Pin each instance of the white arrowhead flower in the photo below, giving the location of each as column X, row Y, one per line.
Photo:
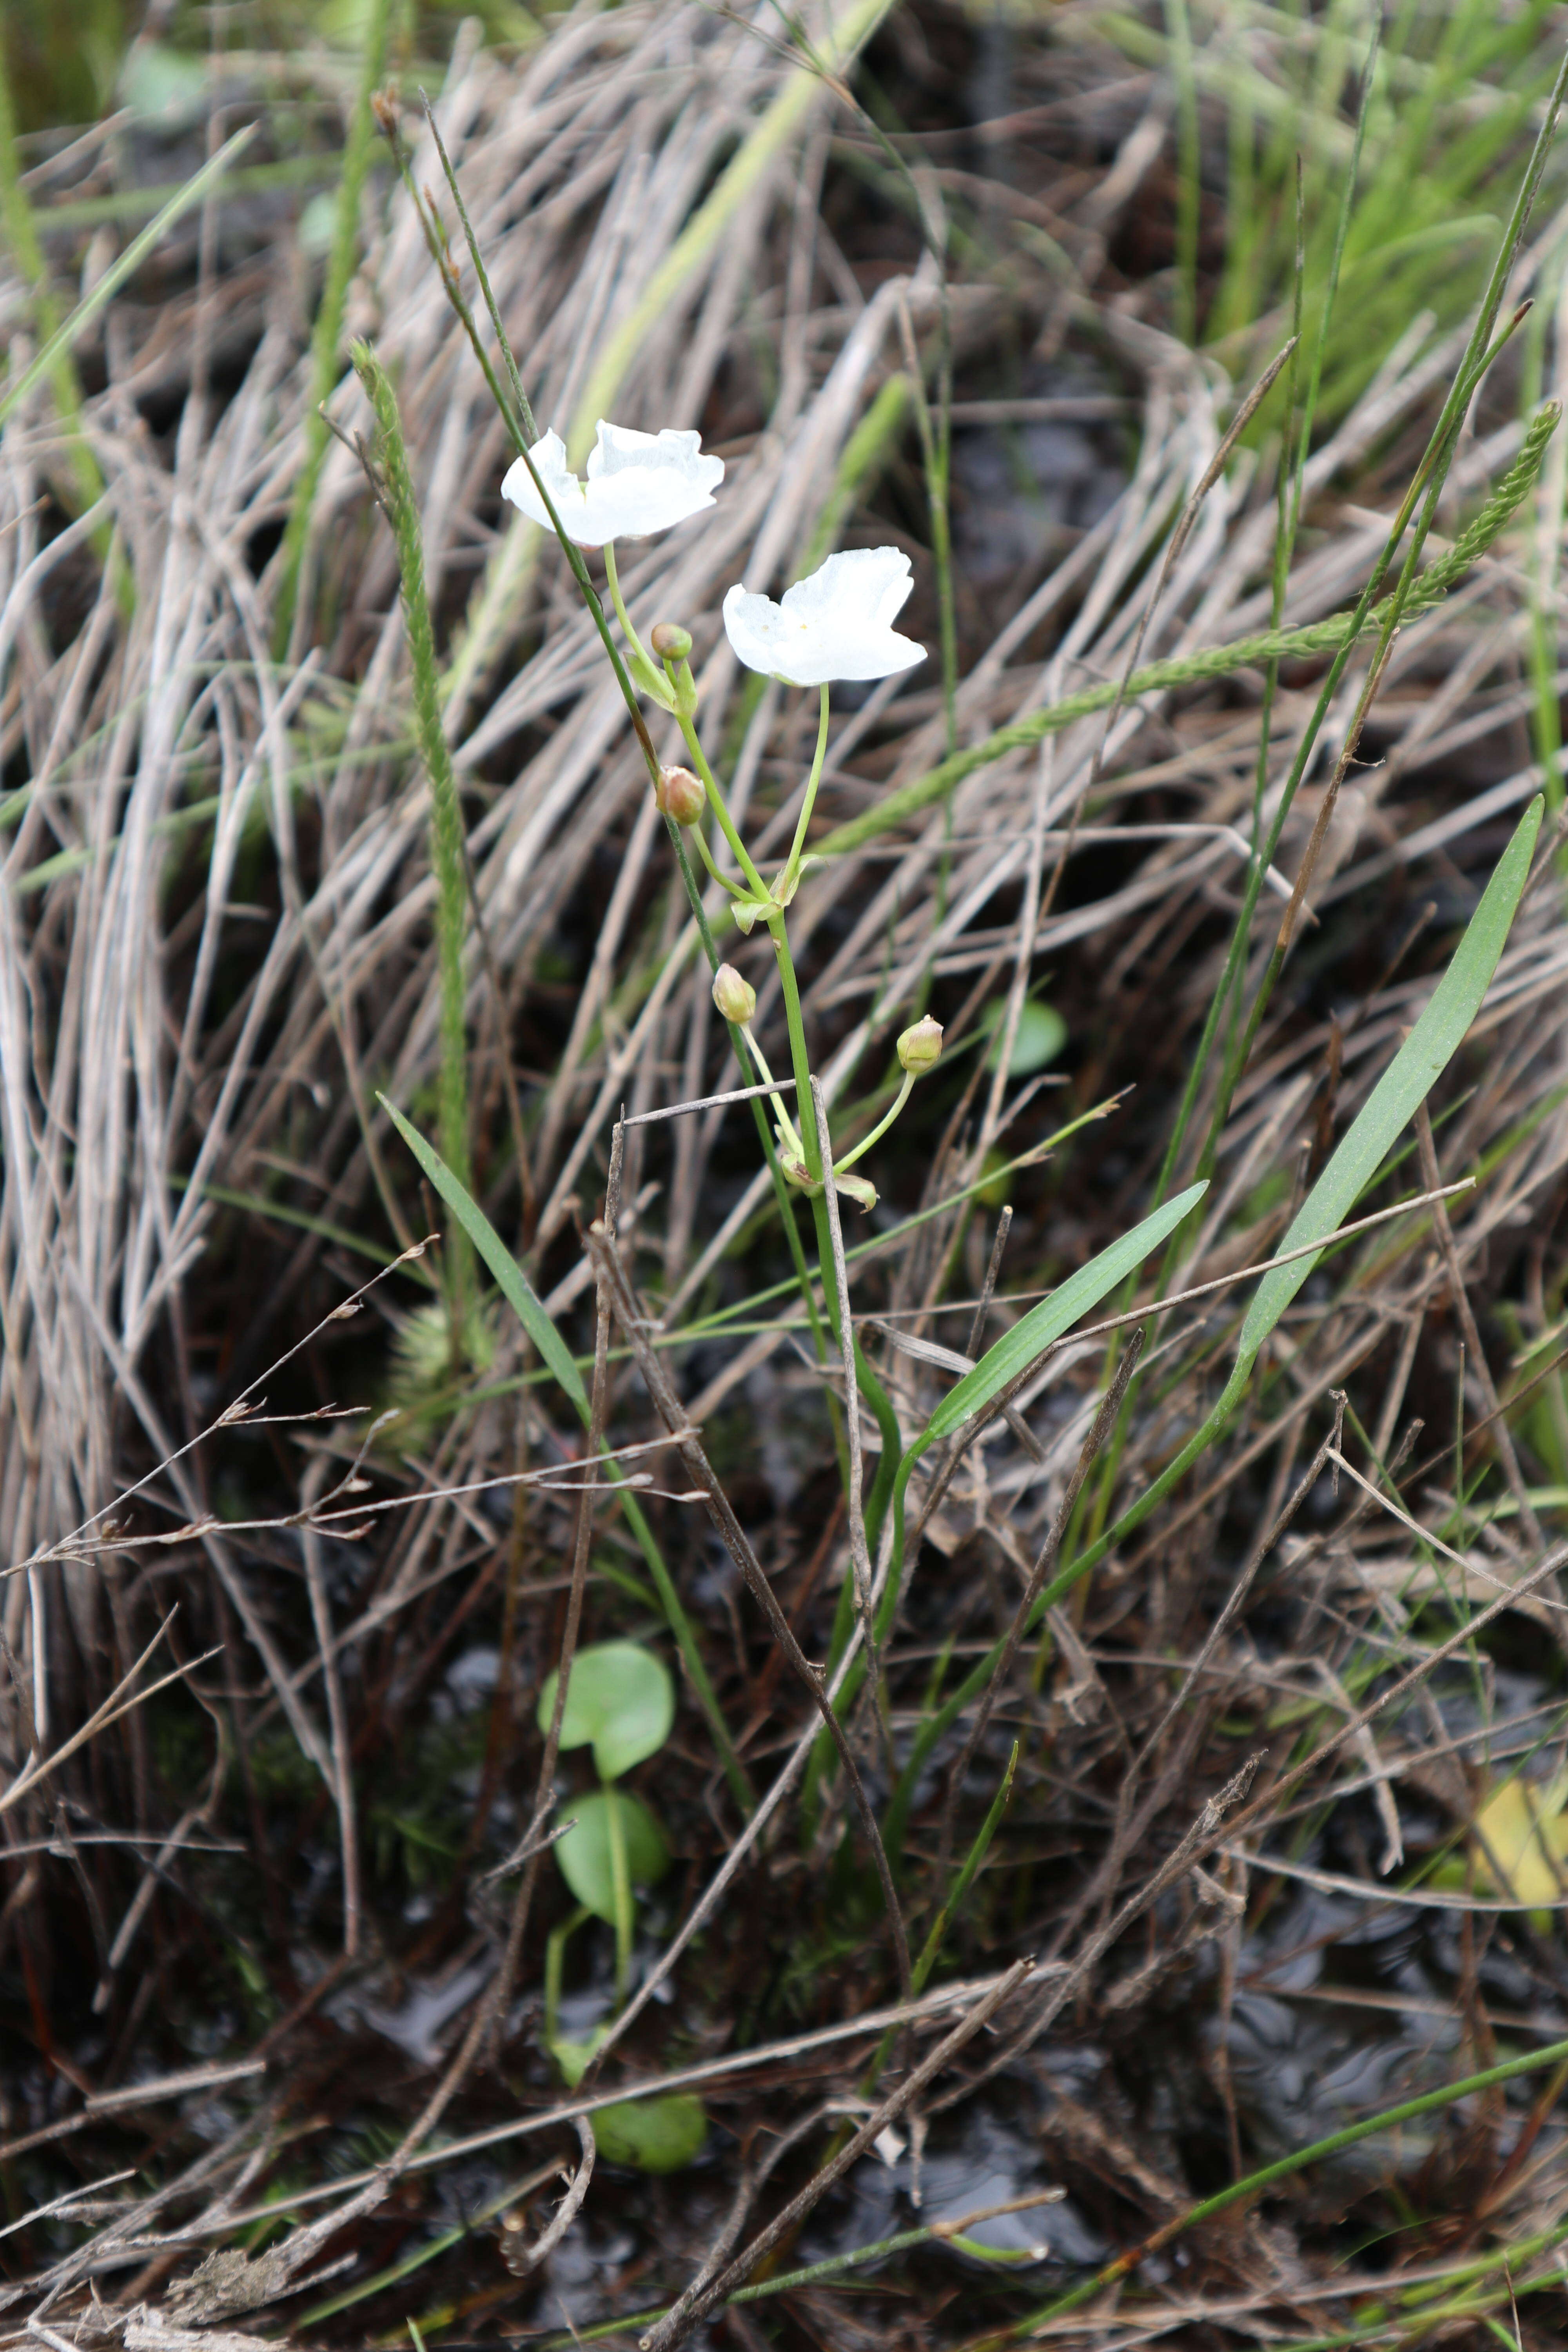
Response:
column 838, row 624
column 637, row 483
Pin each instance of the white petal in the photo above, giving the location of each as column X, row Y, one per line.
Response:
column 862, row 584
column 637, row 483
column 755, row 626
column 565, row 490
column 834, row 624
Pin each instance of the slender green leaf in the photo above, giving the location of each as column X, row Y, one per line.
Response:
column 951, row 1904
column 124, row 267
column 1016, row 1349
column 400, row 505
column 1404, row 1086
column 526, row 1304
column 513, row 1284
column 327, row 334
column 1430, row 2103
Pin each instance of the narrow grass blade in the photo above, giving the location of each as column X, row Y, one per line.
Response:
column 707, row 225
column 952, row 1904
column 327, row 333
column 526, row 1304
column 1404, row 1086
column 448, row 847
column 510, row 1279
column 1012, row 1355
column 22, row 235
column 1016, row 1349
column 1431, row 1046
column 70, row 333
column 1430, row 2103
column 1210, row 662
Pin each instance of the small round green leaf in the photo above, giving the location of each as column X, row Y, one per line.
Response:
column 654, row 2135
column 621, row 1698
column 583, row 1854
column 574, row 2058
column 1041, row 1035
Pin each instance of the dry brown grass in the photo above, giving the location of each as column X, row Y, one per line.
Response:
column 216, row 950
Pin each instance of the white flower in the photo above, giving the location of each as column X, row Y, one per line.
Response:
column 838, row 624
column 637, row 483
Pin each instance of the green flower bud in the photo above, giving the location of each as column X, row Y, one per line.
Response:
column 670, row 642
column 735, row 998
column 680, row 795
column 920, row 1048
column 856, row 1188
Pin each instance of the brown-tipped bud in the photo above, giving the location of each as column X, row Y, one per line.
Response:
column 670, row 642
column 920, row 1048
column 735, row 998
column 680, row 795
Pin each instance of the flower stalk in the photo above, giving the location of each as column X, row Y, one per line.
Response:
column 834, row 624
column 792, row 864
column 642, row 669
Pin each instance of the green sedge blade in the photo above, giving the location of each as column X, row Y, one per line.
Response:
column 521, row 1295
column 511, row 1279
column 1404, row 1086
column 124, row 265
column 1017, row 1348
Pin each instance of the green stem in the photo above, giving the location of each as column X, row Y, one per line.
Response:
column 879, row 1130
column 791, row 1141
column 866, row 1380
column 555, row 1955
column 792, row 864
column 515, row 429
column 782, row 1192
column 722, row 810
column 646, row 673
column 614, row 578
column 708, row 860
column 621, row 1885
column 476, row 257
column 811, row 1148
column 951, row 1904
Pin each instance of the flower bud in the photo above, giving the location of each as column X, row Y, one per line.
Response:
column 670, row 642
column 920, row 1048
column 680, row 795
column 735, row 998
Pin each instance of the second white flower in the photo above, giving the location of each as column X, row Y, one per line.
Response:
column 837, row 624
